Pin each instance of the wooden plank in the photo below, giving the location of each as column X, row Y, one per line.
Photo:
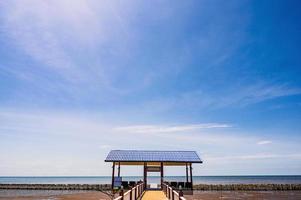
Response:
column 154, row 195
column 153, row 168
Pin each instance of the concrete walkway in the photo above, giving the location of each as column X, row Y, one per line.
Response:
column 154, row 195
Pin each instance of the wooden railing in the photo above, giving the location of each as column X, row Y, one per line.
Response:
column 132, row 194
column 171, row 193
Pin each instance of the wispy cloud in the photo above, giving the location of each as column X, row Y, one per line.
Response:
column 40, row 38
column 264, row 142
column 106, row 146
column 262, row 92
column 233, row 97
column 86, row 76
column 255, row 93
column 57, row 135
column 169, row 129
column 53, row 34
column 257, row 157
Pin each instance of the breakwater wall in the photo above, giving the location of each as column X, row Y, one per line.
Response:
column 206, row 187
column 56, row 186
column 248, row 187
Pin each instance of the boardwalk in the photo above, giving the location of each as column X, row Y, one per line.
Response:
column 151, row 195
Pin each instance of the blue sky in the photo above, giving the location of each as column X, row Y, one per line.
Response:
column 78, row 78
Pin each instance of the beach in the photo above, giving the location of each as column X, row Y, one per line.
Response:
column 198, row 195
column 246, row 195
column 217, row 187
column 62, row 195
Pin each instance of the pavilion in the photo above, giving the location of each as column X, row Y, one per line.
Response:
column 153, row 161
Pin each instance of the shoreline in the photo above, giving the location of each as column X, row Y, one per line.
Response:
column 197, row 187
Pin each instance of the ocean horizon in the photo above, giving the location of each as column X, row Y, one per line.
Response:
column 242, row 179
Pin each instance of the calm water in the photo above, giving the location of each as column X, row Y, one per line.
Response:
column 155, row 179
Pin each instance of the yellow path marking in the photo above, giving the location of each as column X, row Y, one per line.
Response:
column 154, row 195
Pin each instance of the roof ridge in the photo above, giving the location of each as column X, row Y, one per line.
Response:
column 153, row 150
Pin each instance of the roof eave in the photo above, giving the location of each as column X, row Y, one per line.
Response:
column 154, row 161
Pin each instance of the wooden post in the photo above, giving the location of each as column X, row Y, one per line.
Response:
column 172, row 195
column 121, row 194
column 186, row 172
column 118, row 169
column 145, row 175
column 180, row 193
column 131, row 194
column 162, row 175
column 136, row 192
column 191, row 176
column 139, row 188
column 113, row 174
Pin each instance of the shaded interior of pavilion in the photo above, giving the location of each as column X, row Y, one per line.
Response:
column 153, row 168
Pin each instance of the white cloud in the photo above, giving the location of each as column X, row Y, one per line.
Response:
column 69, row 40
column 264, row 142
column 168, row 129
column 241, row 96
column 264, row 91
column 260, row 156
column 34, row 26
column 105, row 146
column 55, row 136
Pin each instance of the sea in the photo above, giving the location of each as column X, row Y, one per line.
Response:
column 293, row 179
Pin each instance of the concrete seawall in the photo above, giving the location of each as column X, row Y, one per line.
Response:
column 56, row 186
column 248, row 187
column 97, row 187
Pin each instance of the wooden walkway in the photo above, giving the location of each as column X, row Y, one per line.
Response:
column 154, row 195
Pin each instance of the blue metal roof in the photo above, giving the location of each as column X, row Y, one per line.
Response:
column 152, row 156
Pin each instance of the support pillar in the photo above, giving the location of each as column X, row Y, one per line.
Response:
column 191, row 176
column 187, row 172
column 145, row 175
column 113, row 174
column 118, row 169
column 162, row 175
